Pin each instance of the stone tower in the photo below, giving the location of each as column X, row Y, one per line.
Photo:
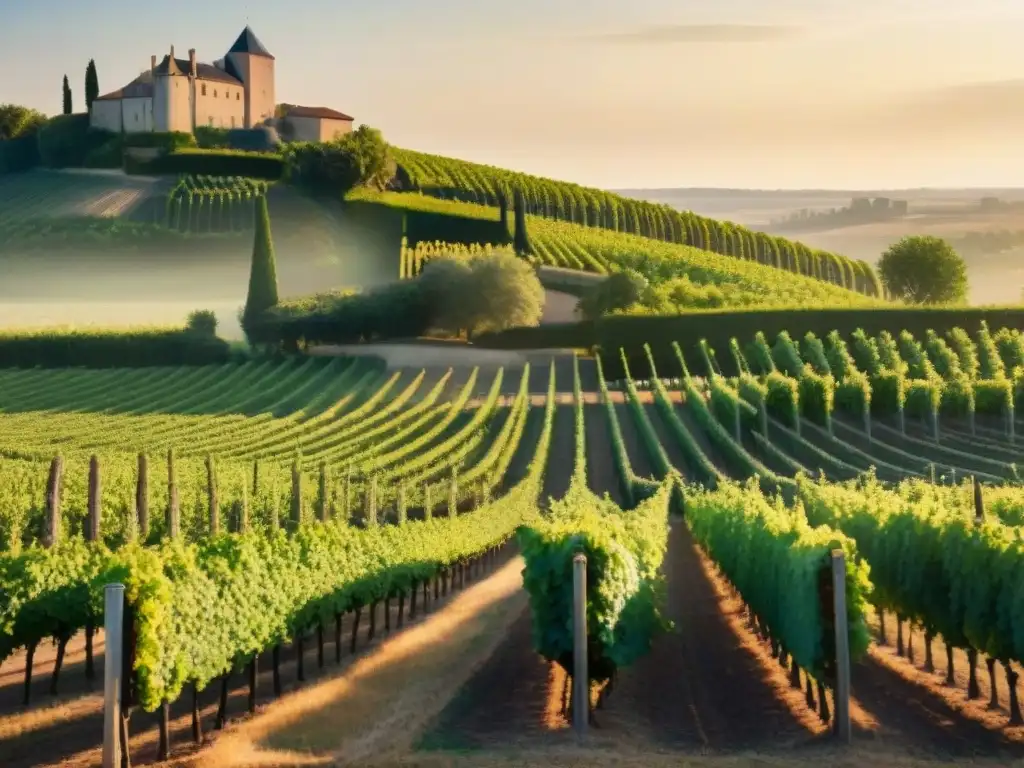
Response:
column 251, row 63
column 172, row 103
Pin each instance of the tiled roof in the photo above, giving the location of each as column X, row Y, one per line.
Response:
column 203, row 71
column 140, row 87
column 319, row 112
column 247, row 42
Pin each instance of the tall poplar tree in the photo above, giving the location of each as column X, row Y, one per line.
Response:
column 263, row 270
column 92, row 85
column 67, row 96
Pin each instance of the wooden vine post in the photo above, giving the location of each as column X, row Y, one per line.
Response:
column 296, row 501
column 92, row 535
column 173, row 507
column 53, row 488
column 142, row 497
column 243, row 511
column 322, row 500
column 837, row 645
column 211, row 496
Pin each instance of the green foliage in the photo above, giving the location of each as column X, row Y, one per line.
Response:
column 360, row 158
column 203, row 321
column 109, row 348
column 840, row 362
column 92, row 85
column 262, row 293
column 813, row 353
column 211, row 162
column 773, row 558
column 17, row 121
column 619, row 291
column 632, row 332
column 990, row 364
column 942, row 357
column 782, row 398
column 865, row 353
column 786, row 355
column 966, row 351
column 1010, row 343
column 66, row 140
column 817, row 395
column 451, row 179
column 109, row 154
column 913, row 354
column 624, row 552
column 853, row 393
column 520, row 238
column 430, row 227
column 66, row 97
column 924, row 270
column 166, row 141
column 759, row 355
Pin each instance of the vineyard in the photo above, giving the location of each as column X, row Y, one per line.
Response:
column 482, row 185
column 257, row 511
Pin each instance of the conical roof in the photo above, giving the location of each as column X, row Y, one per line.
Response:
column 247, row 42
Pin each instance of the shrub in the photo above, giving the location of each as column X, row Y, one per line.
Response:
column 359, row 158
column 66, row 140
column 202, row 321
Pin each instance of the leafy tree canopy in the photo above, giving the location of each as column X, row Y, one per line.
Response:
column 620, row 291
column 486, row 293
column 923, row 269
column 359, row 158
column 17, row 121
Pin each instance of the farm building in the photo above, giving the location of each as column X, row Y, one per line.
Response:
column 236, row 91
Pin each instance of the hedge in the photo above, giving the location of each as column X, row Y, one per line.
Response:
column 110, row 348
column 66, row 140
column 20, row 154
column 169, row 141
column 211, row 162
column 430, row 227
column 720, row 326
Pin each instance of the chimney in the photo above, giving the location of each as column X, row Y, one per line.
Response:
column 192, row 62
column 152, row 64
column 172, row 51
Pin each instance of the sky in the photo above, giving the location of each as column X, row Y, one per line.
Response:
column 628, row 94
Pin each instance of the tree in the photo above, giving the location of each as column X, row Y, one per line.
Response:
column 504, row 292
column 17, row 121
column 441, row 282
column 92, row 85
column 359, row 158
column 67, row 96
column 263, row 270
column 619, row 291
column 520, row 237
column 924, row 269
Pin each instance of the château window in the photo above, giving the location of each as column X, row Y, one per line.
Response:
column 238, row 96
column 214, row 93
column 204, row 89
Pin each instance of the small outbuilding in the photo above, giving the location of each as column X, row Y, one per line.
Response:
column 313, row 123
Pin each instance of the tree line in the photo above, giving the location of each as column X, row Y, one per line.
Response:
column 92, row 89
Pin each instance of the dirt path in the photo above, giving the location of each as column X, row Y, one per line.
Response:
column 699, row 687
column 601, row 474
column 384, row 701
column 638, row 457
column 559, row 468
column 526, row 449
column 675, row 454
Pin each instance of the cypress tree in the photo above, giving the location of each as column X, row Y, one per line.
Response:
column 263, row 270
column 92, row 85
column 67, row 96
column 521, row 240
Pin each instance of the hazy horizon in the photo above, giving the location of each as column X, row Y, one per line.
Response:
column 820, row 95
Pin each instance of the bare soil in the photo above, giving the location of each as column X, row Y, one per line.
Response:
column 601, row 473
